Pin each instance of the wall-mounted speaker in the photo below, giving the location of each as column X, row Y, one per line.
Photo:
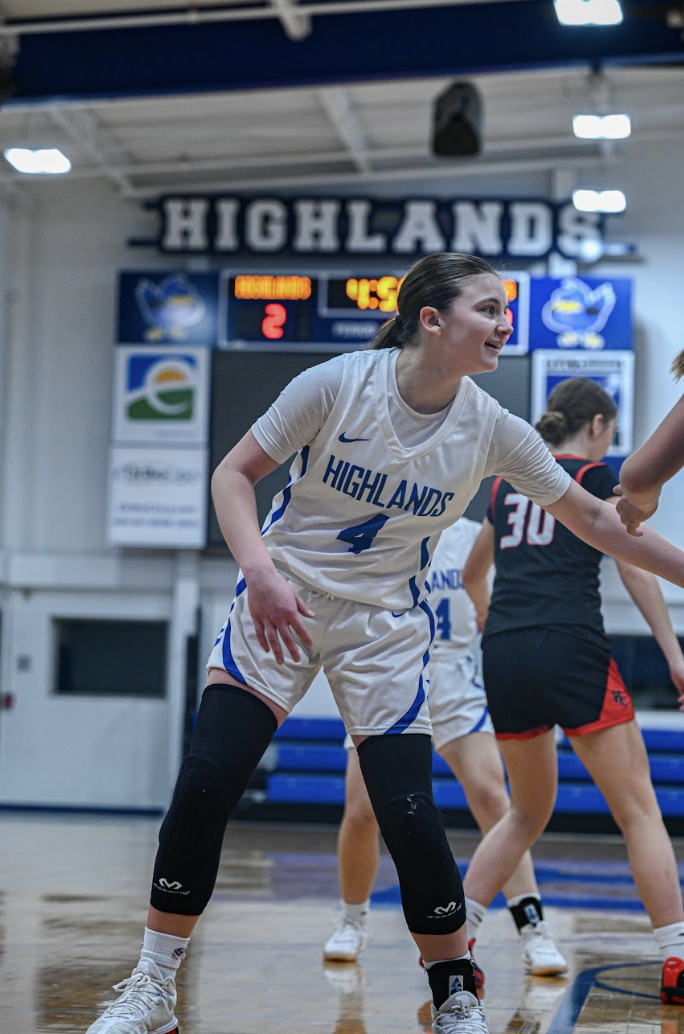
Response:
column 457, row 121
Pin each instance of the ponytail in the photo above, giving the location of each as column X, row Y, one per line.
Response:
column 677, row 367
column 389, row 335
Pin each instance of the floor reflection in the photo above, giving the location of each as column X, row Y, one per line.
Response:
column 72, row 907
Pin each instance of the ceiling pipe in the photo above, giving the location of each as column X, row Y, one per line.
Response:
column 193, row 16
column 384, row 175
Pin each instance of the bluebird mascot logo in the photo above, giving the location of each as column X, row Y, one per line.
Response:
column 577, row 312
column 170, row 308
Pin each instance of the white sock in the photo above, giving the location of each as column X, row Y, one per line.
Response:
column 512, row 902
column 164, row 950
column 435, row 962
column 475, row 913
column 356, row 913
column 670, row 940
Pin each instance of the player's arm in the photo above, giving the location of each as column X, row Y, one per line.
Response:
column 644, row 473
column 646, row 593
column 476, row 570
column 274, row 605
column 595, row 521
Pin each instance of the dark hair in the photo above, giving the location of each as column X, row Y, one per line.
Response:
column 677, row 367
column 435, row 280
column 572, row 404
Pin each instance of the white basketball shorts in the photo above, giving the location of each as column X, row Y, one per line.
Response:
column 374, row 660
column 458, row 703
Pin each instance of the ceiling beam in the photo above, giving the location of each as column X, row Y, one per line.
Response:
column 347, row 125
column 80, row 127
column 197, row 15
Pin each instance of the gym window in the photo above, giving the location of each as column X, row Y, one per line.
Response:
column 110, row 658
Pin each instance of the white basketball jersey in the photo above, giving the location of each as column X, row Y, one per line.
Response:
column 455, row 615
column 361, row 513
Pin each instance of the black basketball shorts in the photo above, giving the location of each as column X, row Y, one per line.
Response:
column 537, row 678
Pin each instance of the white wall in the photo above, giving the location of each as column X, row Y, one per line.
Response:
column 59, row 257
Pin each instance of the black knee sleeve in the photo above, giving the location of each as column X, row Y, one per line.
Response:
column 233, row 730
column 398, row 774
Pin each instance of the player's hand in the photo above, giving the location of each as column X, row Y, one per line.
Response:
column 677, row 676
column 277, row 611
column 630, row 515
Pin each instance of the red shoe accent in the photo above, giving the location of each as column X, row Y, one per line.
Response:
column 479, row 974
column 420, row 962
column 672, row 988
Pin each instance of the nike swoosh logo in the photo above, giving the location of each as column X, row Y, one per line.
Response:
column 347, row 441
column 399, row 615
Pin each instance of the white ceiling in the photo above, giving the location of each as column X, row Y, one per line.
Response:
column 356, row 131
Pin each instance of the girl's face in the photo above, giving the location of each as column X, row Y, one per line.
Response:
column 474, row 328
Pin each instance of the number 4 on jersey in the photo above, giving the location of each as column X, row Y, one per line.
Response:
column 360, row 536
column 443, row 619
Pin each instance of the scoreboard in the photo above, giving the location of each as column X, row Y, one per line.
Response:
column 300, row 313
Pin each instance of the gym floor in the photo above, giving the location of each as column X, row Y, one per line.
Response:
column 73, row 893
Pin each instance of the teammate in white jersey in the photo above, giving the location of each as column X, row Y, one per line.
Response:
column 462, row 733
column 391, row 445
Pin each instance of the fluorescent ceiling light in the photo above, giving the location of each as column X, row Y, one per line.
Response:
column 602, row 127
column 588, row 12
column 599, row 200
column 47, row 160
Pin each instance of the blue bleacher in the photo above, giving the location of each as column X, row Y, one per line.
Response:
column 306, row 764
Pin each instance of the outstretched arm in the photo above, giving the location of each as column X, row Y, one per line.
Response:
column 644, row 473
column 476, row 570
column 274, row 605
column 596, row 522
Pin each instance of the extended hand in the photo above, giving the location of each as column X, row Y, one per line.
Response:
column 677, row 676
column 277, row 612
column 630, row 515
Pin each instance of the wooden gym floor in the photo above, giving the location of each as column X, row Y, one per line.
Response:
column 73, row 893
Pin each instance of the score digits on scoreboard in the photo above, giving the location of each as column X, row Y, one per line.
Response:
column 298, row 313
column 380, row 293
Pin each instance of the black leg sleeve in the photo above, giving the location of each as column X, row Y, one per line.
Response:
column 398, row 774
column 233, row 730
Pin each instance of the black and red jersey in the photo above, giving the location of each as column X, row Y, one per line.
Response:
column 545, row 575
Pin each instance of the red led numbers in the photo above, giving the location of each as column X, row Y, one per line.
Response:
column 274, row 321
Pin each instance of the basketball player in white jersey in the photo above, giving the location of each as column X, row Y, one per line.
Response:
column 390, row 446
column 463, row 735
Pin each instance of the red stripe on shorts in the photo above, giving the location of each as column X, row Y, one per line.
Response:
column 529, row 734
column 617, row 705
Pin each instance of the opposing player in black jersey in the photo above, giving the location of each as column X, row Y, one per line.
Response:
column 547, row 662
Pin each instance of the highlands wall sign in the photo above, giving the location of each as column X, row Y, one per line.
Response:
column 330, row 227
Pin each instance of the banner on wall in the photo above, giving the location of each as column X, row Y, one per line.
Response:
column 613, row 371
column 160, row 395
column 167, row 308
column 157, row 497
column 581, row 312
column 158, row 485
